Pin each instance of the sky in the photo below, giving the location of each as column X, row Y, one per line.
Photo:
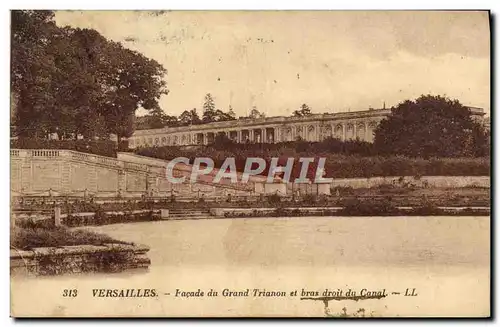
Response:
column 334, row 61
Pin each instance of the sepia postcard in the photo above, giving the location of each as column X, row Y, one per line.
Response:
column 330, row 164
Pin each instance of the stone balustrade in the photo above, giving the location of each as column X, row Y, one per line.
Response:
column 77, row 156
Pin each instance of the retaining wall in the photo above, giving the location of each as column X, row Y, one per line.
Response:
column 79, row 259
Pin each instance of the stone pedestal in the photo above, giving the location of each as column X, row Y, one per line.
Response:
column 164, row 213
column 259, row 187
column 323, row 188
column 217, row 212
column 275, row 188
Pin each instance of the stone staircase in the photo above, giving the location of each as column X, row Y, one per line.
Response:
column 183, row 214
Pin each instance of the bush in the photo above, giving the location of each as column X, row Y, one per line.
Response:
column 369, row 208
column 28, row 238
column 274, row 199
column 309, row 199
column 341, row 190
column 427, row 209
column 342, row 160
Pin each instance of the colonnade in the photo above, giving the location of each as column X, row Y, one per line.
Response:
column 310, row 131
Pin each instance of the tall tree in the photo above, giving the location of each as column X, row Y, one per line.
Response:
column 209, row 112
column 230, row 112
column 303, row 111
column 195, row 118
column 31, row 71
column 135, row 81
column 64, row 78
column 223, row 116
column 157, row 118
column 254, row 113
column 185, row 118
column 189, row 117
column 429, row 126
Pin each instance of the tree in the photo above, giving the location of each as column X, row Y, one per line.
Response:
column 189, row 117
column 185, row 118
column 429, row 126
column 63, row 78
column 31, row 71
column 230, row 113
column 195, row 118
column 303, row 111
column 209, row 113
column 171, row 121
column 479, row 141
column 254, row 113
column 132, row 81
column 223, row 116
column 158, row 119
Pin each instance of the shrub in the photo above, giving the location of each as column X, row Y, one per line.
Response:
column 28, row 238
column 369, row 208
column 274, row 199
column 343, row 160
column 309, row 199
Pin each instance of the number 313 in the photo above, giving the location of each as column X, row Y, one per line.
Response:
column 70, row 293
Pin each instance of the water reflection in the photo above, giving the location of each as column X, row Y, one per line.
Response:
column 443, row 257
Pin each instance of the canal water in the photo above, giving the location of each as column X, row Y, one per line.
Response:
column 444, row 261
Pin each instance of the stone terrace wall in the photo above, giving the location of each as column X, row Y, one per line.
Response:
column 65, row 172
column 72, row 173
column 79, row 258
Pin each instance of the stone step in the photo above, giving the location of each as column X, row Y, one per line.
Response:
column 188, row 214
column 189, row 217
column 189, row 211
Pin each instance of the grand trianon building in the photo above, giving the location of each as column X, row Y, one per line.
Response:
column 316, row 127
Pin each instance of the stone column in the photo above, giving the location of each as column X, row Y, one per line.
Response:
column 367, row 136
column 122, row 181
column 369, row 131
column 57, row 216
column 354, row 130
column 250, row 135
column 152, row 185
column 65, row 173
column 263, row 136
column 276, row 138
column 239, row 136
column 344, row 131
column 205, row 138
